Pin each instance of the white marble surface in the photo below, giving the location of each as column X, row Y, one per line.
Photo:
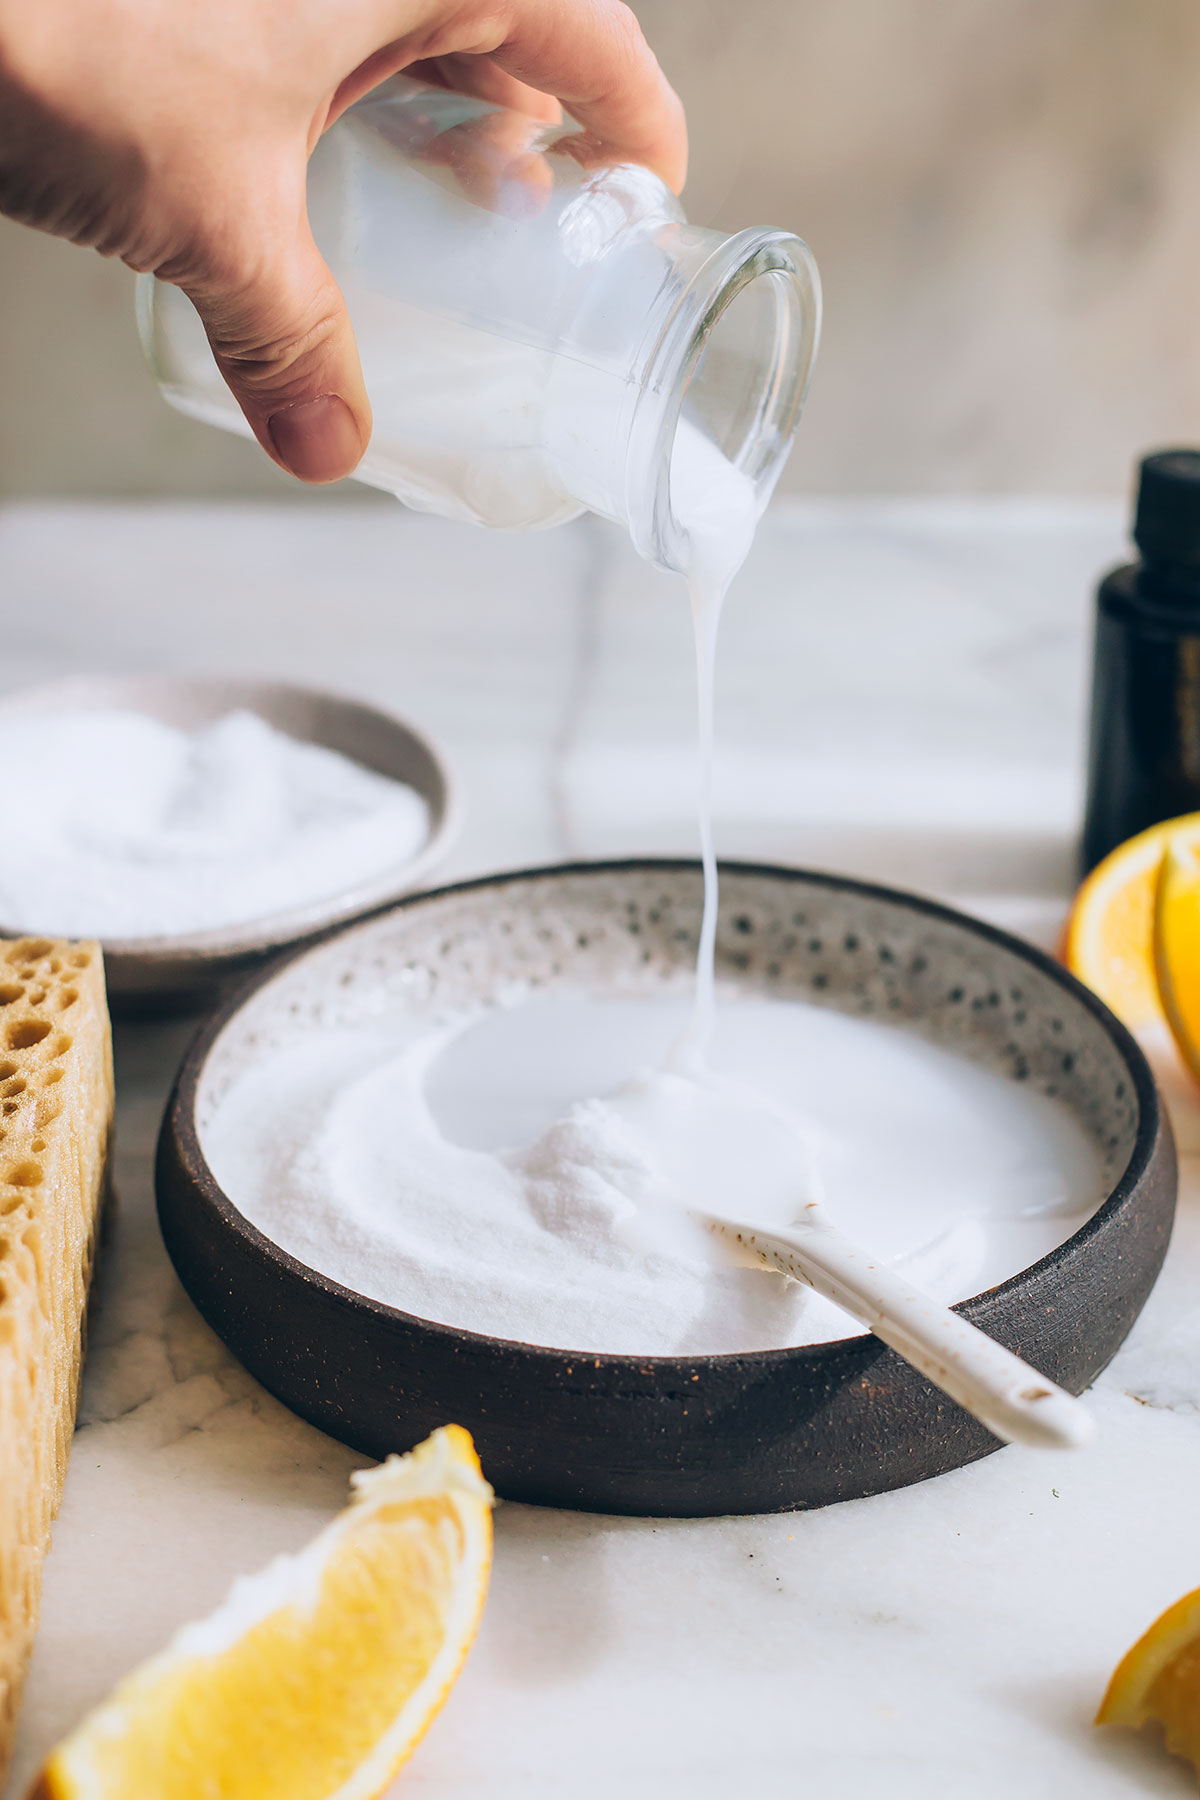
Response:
column 901, row 695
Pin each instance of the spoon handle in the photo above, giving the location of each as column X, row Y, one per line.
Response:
column 1008, row 1396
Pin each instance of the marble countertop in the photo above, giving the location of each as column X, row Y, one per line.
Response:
column 900, row 696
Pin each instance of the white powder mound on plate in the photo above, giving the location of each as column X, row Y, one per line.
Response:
column 129, row 828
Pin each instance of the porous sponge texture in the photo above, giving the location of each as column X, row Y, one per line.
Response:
column 56, row 1103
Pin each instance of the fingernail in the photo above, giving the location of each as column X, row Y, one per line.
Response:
column 318, row 440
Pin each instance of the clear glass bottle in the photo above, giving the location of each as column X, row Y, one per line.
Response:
column 533, row 332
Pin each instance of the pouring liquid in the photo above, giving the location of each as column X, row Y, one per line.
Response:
column 718, row 507
column 465, row 1170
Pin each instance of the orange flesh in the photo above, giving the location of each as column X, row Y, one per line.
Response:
column 1109, row 939
column 1174, row 1701
column 311, row 1697
column 1124, row 944
column 1177, row 952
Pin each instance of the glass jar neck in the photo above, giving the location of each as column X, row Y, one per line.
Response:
column 728, row 330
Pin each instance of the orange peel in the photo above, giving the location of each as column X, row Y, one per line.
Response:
column 1158, row 1681
column 1109, row 939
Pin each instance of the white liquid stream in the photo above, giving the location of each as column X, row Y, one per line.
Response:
column 718, row 508
column 383, row 1154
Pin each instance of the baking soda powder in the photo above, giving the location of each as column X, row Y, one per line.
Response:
column 129, row 828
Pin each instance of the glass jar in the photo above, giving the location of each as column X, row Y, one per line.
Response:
column 533, row 332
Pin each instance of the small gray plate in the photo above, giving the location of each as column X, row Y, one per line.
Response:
column 169, row 972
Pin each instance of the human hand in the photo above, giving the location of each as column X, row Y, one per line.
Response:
column 175, row 134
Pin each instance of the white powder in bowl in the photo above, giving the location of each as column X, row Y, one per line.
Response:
column 129, row 828
column 465, row 1172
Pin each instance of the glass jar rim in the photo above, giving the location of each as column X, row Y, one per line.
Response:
column 673, row 358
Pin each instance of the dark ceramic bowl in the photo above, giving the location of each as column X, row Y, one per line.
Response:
column 188, row 970
column 675, row 1435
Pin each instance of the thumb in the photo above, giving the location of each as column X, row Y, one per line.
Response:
column 282, row 339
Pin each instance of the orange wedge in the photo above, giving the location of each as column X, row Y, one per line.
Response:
column 1177, row 941
column 1110, row 934
column 1158, row 1682
column 317, row 1676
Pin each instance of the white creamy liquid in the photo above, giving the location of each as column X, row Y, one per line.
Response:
column 472, row 1177
column 718, row 508
column 129, row 828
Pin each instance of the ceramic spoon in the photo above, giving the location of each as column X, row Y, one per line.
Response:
column 1008, row 1396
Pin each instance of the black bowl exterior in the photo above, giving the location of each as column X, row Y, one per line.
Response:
column 767, row 1431
column 178, row 986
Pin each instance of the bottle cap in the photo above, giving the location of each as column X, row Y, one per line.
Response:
column 1167, row 526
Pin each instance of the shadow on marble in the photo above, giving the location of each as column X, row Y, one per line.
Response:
column 1066, row 1706
column 556, row 1624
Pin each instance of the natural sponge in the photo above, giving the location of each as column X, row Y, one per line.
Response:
column 56, row 1099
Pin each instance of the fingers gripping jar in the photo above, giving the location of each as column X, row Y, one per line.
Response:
column 534, row 332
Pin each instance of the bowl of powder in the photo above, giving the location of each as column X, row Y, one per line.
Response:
column 427, row 1170
column 196, row 826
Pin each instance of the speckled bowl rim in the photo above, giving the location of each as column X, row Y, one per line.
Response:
column 269, row 931
column 179, row 1119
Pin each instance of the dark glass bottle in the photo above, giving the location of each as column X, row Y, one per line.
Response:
column 1144, row 755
